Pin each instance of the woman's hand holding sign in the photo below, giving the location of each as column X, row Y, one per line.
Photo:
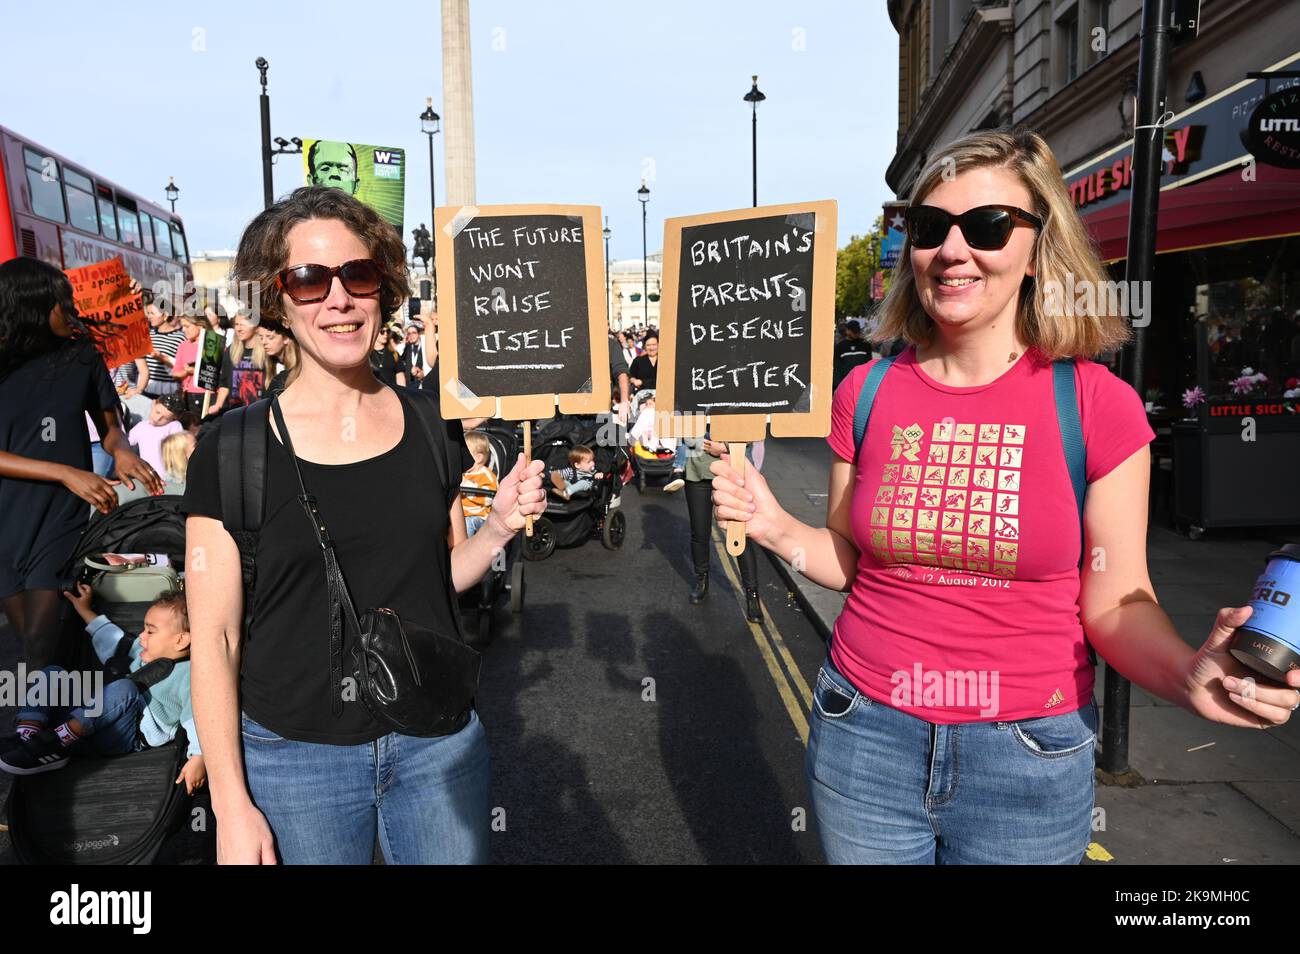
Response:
column 519, row 495
column 746, row 498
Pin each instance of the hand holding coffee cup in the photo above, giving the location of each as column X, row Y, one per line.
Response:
column 1221, row 689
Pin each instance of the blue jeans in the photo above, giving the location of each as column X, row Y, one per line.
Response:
column 113, row 732
column 679, row 456
column 889, row 788
column 472, row 525
column 102, row 460
column 577, row 486
column 426, row 798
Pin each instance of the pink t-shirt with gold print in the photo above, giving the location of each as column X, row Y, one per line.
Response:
column 965, row 605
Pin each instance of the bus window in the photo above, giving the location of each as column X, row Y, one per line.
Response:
column 43, row 183
column 82, row 213
column 146, row 230
column 163, row 236
column 106, row 221
column 129, row 226
column 178, row 245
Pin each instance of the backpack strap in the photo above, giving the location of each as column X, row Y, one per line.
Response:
column 1067, row 418
column 241, row 481
column 866, row 398
column 428, row 409
column 446, row 457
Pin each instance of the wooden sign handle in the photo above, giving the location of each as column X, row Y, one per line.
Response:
column 528, row 459
column 207, row 401
column 736, row 528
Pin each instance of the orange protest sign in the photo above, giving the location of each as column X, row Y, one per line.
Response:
column 102, row 293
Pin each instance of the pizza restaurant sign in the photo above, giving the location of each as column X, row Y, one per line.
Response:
column 1182, row 148
column 1273, row 134
column 1258, row 119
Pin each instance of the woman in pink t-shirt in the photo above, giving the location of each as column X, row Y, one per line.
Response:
column 953, row 720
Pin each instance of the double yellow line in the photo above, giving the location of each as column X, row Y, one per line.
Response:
column 790, row 683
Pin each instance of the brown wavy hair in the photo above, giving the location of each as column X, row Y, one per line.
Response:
column 264, row 247
column 1063, row 251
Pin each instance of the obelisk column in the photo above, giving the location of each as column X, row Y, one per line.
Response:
column 458, row 103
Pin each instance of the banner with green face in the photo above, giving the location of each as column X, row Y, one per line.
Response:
column 374, row 174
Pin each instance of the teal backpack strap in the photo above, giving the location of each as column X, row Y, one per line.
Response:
column 867, row 397
column 1067, row 418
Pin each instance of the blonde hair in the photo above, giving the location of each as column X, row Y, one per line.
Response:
column 176, row 450
column 237, row 346
column 1064, row 254
column 477, row 443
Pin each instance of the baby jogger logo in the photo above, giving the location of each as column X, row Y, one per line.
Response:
column 76, row 907
column 53, row 689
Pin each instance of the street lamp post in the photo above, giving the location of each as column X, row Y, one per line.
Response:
column 429, row 125
column 644, row 195
column 172, row 192
column 755, row 97
column 609, row 301
column 282, row 146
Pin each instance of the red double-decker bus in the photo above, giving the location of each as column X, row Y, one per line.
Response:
column 60, row 212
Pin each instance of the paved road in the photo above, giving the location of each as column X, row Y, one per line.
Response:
column 629, row 726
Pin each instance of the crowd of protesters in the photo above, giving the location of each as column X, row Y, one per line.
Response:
column 966, row 331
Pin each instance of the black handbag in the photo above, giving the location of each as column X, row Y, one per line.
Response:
column 413, row 680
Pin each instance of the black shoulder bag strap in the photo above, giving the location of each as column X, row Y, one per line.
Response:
column 339, row 597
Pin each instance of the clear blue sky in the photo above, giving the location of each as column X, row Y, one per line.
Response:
column 574, row 100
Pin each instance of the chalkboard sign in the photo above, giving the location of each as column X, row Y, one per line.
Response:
column 527, row 322
column 748, row 323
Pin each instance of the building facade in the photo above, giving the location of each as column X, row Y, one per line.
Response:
column 630, row 306
column 1226, row 292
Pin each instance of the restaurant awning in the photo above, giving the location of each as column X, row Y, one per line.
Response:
column 1218, row 210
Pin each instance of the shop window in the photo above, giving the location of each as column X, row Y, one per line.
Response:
column 1247, row 311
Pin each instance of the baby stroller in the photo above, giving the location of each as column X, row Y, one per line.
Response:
column 587, row 514
column 656, row 465
column 508, row 572
column 122, row 809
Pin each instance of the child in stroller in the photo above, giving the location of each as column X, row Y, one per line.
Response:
column 493, row 445
column 585, row 512
column 655, row 455
column 579, row 477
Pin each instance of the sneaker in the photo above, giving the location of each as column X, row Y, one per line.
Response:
column 41, row 753
column 674, row 485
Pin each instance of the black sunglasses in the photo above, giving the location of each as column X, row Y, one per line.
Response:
column 307, row 284
column 985, row 227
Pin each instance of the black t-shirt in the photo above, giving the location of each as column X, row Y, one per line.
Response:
column 43, row 404
column 385, row 366
column 390, row 532
column 850, row 353
column 643, row 369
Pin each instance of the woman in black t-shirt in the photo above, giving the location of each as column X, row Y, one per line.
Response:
column 384, row 360
column 316, row 784
column 51, row 376
column 644, row 372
